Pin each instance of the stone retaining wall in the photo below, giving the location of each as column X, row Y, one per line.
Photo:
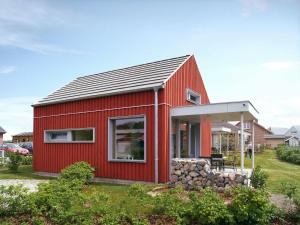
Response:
column 196, row 174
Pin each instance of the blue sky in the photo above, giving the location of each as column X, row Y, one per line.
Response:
column 245, row 49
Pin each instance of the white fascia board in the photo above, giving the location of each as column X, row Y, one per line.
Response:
column 221, row 129
column 216, row 108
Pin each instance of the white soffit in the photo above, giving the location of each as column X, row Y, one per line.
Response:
column 224, row 111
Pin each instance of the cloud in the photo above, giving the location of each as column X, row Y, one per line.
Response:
column 7, row 69
column 250, row 6
column 31, row 13
column 281, row 65
column 21, row 21
column 16, row 115
column 29, row 42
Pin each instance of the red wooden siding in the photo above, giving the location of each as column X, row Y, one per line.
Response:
column 54, row 157
column 96, row 112
column 174, row 94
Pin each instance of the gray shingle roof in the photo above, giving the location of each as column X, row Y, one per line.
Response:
column 23, row 134
column 2, row 131
column 131, row 79
column 279, row 130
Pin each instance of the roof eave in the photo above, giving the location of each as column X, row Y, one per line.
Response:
column 161, row 86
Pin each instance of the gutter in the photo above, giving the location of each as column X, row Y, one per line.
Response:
column 156, row 134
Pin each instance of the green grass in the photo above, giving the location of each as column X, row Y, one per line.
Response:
column 278, row 171
column 24, row 172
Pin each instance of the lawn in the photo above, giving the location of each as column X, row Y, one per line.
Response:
column 24, row 172
column 277, row 170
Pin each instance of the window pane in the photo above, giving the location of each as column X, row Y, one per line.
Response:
column 58, row 135
column 82, row 135
column 128, row 139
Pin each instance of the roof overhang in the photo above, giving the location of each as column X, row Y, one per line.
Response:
column 224, row 111
column 220, row 130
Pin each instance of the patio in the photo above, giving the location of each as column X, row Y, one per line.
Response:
column 186, row 127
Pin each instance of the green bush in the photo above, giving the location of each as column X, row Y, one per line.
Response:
column 251, row 207
column 138, row 190
column 14, row 201
column 27, row 160
column 209, row 209
column 15, row 160
column 289, row 154
column 61, row 202
column 81, row 171
column 171, row 204
column 258, row 178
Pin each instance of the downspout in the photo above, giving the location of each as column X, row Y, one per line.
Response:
column 156, row 134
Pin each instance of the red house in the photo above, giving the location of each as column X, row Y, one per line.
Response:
column 129, row 123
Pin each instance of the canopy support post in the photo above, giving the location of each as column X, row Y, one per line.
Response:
column 242, row 142
column 253, row 144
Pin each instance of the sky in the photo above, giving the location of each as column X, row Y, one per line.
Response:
column 245, row 49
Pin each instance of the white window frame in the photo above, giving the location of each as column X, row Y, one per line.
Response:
column 246, row 125
column 110, row 139
column 190, row 93
column 48, row 140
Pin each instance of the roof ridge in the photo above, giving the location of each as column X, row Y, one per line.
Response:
column 127, row 67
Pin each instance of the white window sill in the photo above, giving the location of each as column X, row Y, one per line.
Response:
column 127, row 161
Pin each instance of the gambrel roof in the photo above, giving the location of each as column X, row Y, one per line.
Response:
column 131, row 79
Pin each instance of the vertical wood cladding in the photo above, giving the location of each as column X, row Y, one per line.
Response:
column 96, row 113
column 54, row 157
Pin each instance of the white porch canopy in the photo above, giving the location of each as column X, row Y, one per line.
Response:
column 224, row 111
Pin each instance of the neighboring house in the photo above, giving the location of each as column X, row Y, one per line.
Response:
column 273, row 140
column 226, row 136
column 129, row 123
column 2, row 132
column 281, row 135
column 22, row 137
column 259, row 133
column 294, row 131
column 292, row 141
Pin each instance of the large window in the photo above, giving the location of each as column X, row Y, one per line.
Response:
column 127, row 139
column 193, row 97
column 82, row 135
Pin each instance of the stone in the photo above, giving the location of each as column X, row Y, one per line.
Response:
column 220, row 189
column 188, row 177
column 239, row 179
column 203, row 174
column 177, row 172
column 193, row 174
column 202, row 162
column 174, row 178
column 231, row 176
column 206, row 168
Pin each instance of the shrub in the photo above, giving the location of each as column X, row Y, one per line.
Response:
column 27, row 160
column 258, row 178
column 15, row 160
column 138, row 190
column 171, row 204
column 209, row 209
column 250, row 206
column 14, row 201
column 289, row 154
column 81, row 171
column 60, row 201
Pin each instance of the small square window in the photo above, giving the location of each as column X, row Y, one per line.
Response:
column 193, row 97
